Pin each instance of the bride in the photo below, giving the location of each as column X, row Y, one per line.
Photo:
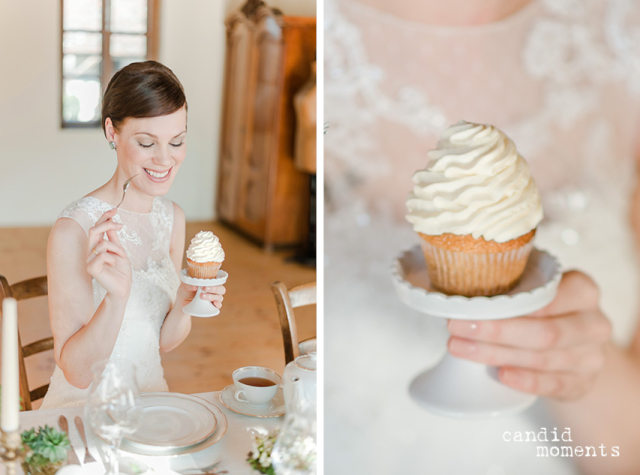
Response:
column 114, row 289
column 560, row 77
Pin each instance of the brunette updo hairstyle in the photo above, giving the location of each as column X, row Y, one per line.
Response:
column 146, row 89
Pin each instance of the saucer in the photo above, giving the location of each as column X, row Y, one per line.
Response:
column 274, row 408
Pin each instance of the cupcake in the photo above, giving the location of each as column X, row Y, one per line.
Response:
column 476, row 209
column 205, row 255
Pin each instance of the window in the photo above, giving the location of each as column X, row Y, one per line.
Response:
column 98, row 38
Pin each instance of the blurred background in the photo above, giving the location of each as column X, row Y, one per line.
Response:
column 249, row 77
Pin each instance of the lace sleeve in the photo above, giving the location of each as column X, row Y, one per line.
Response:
column 85, row 215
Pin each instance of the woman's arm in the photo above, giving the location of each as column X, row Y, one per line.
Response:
column 177, row 324
column 81, row 336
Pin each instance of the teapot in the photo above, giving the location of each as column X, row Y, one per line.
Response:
column 295, row 449
column 303, row 368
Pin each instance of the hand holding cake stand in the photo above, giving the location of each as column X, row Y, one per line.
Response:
column 457, row 387
column 199, row 307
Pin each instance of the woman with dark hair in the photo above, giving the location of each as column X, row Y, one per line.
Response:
column 114, row 289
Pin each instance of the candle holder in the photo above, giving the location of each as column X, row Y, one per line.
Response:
column 11, row 452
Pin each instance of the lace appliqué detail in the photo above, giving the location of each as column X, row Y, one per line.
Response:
column 355, row 102
column 162, row 219
column 125, row 233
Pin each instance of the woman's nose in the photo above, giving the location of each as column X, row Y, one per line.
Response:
column 163, row 157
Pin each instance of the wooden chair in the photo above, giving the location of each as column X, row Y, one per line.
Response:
column 287, row 300
column 23, row 290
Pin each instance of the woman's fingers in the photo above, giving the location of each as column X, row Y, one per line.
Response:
column 536, row 332
column 113, row 237
column 106, row 216
column 214, row 294
column 211, row 297
column 583, row 359
column 106, row 247
column 96, row 265
column 560, row 385
column 217, row 289
column 96, row 232
column 576, row 292
column 109, row 246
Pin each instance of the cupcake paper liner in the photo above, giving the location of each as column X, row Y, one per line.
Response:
column 203, row 270
column 473, row 274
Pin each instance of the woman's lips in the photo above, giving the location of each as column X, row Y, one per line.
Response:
column 161, row 176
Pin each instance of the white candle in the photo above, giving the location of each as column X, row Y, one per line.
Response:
column 9, row 410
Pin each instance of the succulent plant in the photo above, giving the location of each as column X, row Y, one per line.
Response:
column 47, row 445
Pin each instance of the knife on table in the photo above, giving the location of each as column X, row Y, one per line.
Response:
column 88, row 458
column 71, row 454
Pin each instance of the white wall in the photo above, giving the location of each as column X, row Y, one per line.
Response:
column 43, row 168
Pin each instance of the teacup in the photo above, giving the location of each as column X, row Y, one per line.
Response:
column 255, row 385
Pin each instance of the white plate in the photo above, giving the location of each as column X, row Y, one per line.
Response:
column 536, row 288
column 274, row 408
column 173, row 420
column 167, row 431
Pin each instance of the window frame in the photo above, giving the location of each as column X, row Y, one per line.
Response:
column 106, row 71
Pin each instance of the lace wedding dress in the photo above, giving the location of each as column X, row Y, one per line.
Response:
column 146, row 239
column 561, row 78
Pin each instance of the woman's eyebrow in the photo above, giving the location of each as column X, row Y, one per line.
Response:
column 155, row 137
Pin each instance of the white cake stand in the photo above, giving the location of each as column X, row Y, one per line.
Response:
column 198, row 307
column 457, row 387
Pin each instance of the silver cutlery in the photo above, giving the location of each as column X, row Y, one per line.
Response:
column 125, row 187
column 71, row 454
column 88, row 458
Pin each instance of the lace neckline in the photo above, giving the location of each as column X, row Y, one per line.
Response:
column 153, row 205
column 514, row 19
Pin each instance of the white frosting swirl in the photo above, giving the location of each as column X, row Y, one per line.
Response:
column 475, row 183
column 205, row 247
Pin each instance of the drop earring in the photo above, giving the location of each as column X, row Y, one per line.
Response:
column 113, row 146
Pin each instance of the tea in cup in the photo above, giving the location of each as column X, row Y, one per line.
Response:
column 255, row 385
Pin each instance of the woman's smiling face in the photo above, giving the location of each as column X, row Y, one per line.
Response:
column 151, row 147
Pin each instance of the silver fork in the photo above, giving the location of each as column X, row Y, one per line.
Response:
column 125, row 187
column 88, row 458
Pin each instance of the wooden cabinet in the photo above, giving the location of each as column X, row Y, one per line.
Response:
column 269, row 58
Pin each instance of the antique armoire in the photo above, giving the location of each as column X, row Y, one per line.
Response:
column 269, row 58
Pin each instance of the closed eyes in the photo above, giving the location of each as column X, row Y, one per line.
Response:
column 176, row 145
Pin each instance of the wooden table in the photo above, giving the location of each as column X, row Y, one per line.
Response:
column 231, row 451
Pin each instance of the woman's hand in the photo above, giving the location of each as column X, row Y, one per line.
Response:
column 107, row 261
column 186, row 294
column 557, row 351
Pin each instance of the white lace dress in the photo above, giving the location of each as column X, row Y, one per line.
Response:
column 560, row 77
column 146, row 239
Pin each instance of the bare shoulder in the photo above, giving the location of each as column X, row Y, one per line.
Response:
column 177, row 236
column 66, row 232
column 179, row 223
column 178, row 216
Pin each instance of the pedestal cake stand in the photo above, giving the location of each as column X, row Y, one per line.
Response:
column 199, row 307
column 463, row 388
